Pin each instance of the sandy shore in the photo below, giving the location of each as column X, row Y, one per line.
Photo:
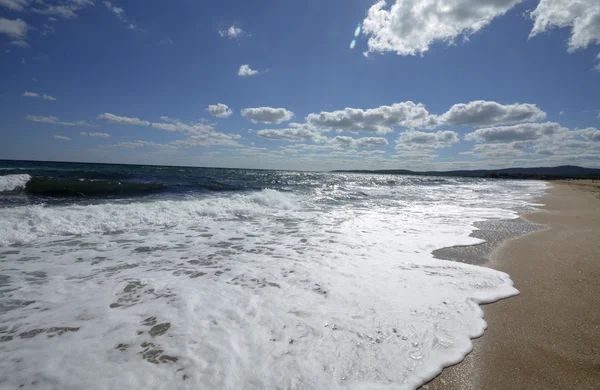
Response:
column 548, row 337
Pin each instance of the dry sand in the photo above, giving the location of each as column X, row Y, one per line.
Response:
column 548, row 337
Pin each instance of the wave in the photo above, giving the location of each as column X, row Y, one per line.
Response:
column 44, row 186
column 97, row 188
column 23, row 224
column 9, row 183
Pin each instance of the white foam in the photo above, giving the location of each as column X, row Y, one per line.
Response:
column 19, row 225
column 295, row 292
column 13, row 182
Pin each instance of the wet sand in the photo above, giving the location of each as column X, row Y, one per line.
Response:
column 548, row 337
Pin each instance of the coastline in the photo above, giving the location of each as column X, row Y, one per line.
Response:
column 548, row 336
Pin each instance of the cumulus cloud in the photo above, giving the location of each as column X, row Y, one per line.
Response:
column 521, row 132
column 245, row 71
column 219, row 110
column 16, row 28
column 231, row 32
column 122, row 120
column 54, row 120
column 349, row 142
column 295, row 132
column 37, row 95
column 485, row 113
column 590, row 134
column 62, row 137
column 413, row 139
column 14, row 5
column 379, row 120
column 268, row 115
column 96, row 135
column 409, row 27
column 582, row 16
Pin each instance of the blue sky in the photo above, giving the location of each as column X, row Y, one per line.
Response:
column 430, row 84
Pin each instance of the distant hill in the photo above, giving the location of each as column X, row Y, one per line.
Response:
column 542, row 173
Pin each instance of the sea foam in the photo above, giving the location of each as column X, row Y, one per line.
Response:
column 258, row 290
column 13, row 182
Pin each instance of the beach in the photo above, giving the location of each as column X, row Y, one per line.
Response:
column 547, row 337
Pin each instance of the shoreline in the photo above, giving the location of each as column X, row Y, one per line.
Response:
column 549, row 335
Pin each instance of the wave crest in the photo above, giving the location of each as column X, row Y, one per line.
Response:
column 23, row 224
column 9, row 183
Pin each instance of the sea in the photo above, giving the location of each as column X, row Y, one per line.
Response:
column 156, row 277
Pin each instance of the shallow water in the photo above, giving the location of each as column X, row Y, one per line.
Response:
column 290, row 280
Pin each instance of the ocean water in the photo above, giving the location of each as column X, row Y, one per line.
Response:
column 146, row 277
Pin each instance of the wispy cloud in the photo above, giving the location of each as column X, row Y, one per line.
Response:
column 122, row 120
column 120, row 14
column 96, row 135
column 39, row 96
column 54, row 120
column 14, row 5
column 62, row 137
column 117, row 11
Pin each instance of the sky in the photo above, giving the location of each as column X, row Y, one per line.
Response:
column 307, row 85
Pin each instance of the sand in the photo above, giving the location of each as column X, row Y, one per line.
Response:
column 548, row 337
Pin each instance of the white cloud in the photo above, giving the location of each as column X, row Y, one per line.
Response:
column 141, row 144
column 270, row 115
column 54, row 120
column 66, row 8
column 14, row 28
column 20, row 43
column 487, row 113
column 122, row 120
column 117, row 11
column 211, row 138
column 409, row 27
column 561, row 113
column 379, row 120
column 590, row 134
column 295, row 132
column 349, row 142
column 245, row 70
column 176, row 125
column 47, row 29
column 497, row 151
column 37, row 95
column 219, row 110
column 521, row 132
column 14, row 5
column 173, row 125
column 413, row 139
column 62, row 137
column 97, row 135
column 231, row 32
column 582, row 16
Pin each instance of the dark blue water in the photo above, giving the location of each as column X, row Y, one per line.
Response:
column 83, row 182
